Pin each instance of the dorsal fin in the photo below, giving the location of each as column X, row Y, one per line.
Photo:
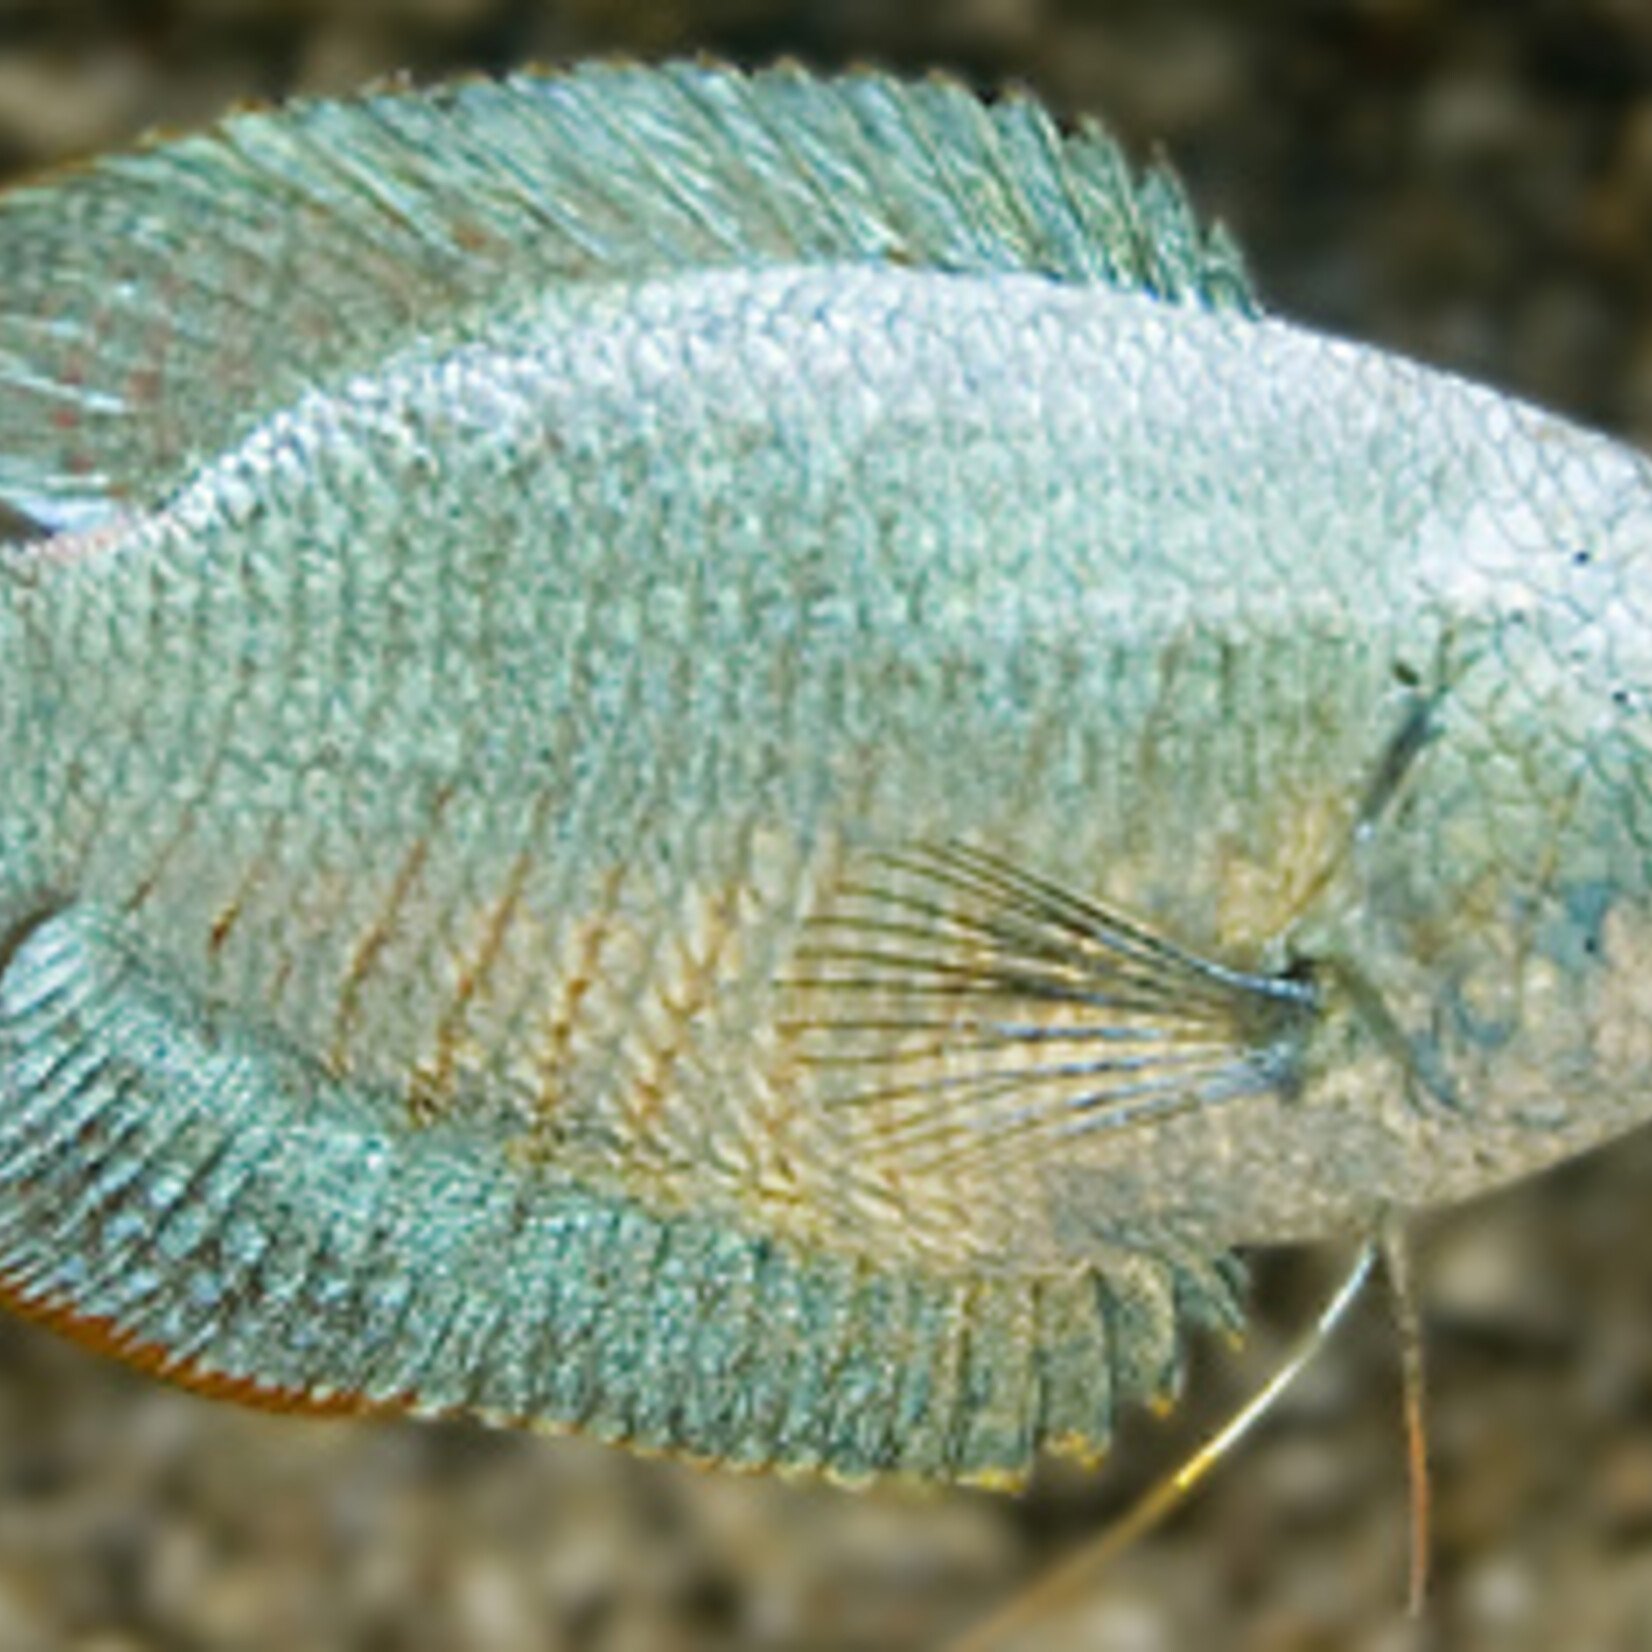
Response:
column 154, row 306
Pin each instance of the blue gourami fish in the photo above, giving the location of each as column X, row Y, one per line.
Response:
column 745, row 762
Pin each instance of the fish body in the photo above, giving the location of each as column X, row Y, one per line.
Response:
column 757, row 783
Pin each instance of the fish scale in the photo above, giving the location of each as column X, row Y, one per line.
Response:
column 741, row 760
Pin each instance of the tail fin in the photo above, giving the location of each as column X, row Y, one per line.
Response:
column 155, row 305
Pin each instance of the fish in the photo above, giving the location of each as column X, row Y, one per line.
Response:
column 747, row 761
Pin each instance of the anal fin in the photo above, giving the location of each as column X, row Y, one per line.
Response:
column 183, row 1188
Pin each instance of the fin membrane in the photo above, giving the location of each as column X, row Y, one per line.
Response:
column 155, row 306
column 981, row 1011
column 180, row 1188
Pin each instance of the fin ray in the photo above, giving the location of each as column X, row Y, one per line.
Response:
column 155, row 305
column 970, row 1009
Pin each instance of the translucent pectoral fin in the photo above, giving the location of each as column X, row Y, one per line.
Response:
column 974, row 1008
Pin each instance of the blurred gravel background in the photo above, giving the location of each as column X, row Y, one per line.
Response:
column 1469, row 182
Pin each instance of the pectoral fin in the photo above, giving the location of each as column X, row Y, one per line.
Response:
column 979, row 1009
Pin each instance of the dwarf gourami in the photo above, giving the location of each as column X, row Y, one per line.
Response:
column 746, row 762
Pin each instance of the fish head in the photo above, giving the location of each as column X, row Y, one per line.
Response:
column 1501, row 895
